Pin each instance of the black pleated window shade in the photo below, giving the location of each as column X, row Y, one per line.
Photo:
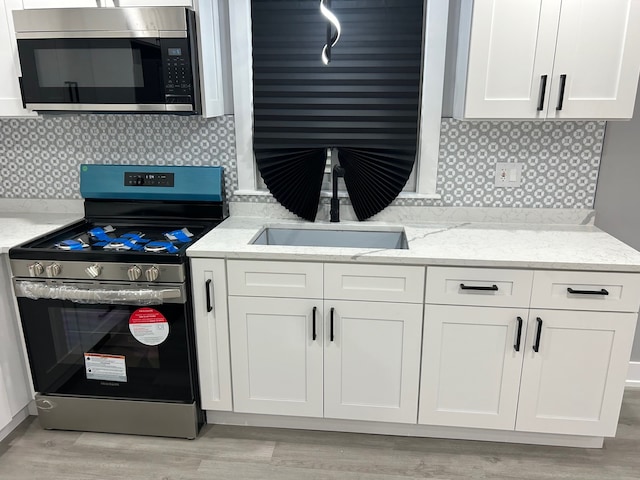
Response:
column 364, row 103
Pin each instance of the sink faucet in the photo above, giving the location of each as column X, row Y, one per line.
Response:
column 334, row 213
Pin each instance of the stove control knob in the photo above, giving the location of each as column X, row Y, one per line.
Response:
column 134, row 273
column 35, row 270
column 94, row 270
column 53, row 270
column 152, row 274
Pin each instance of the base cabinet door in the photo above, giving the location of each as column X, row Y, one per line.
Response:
column 372, row 360
column 276, row 356
column 212, row 333
column 5, row 409
column 471, row 365
column 574, row 371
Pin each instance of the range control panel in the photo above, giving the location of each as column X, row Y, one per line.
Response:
column 148, row 179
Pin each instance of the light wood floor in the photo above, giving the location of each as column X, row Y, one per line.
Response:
column 222, row 452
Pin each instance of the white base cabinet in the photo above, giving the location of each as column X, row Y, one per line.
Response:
column 15, row 393
column 208, row 280
column 471, row 365
column 559, row 369
column 372, row 361
column 575, row 381
column 5, row 409
column 479, row 353
column 345, row 358
column 276, row 357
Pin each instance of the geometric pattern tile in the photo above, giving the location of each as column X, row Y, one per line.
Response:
column 40, row 157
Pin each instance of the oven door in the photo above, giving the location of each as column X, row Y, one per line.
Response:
column 108, row 340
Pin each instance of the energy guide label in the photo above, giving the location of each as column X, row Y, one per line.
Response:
column 112, row 368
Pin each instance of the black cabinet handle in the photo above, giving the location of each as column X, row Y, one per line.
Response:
column 543, row 92
column 314, row 323
column 519, row 335
column 331, row 326
column 208, row 290
column 587, row 292
column 563, row 83
column 536, row 346
column 492, row 288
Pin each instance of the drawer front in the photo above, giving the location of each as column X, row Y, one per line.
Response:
column 274, row 279
column 478, row 286
column 377, row 283
column 612, row 292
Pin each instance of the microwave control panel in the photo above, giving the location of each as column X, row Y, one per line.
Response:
column 178, row 71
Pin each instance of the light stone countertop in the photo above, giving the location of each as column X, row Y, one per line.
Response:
column 18, row 227
column 537, row 246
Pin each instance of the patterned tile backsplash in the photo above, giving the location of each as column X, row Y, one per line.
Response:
column 39, row 157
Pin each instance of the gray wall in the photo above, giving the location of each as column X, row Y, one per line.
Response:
column 618, row 192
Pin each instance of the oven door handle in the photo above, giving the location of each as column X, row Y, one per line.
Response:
column 138, row 296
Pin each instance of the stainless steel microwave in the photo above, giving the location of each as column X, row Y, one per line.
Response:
column 109, row 59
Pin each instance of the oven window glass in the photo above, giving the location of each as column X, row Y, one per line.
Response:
column 59, row 334
column 83, row 67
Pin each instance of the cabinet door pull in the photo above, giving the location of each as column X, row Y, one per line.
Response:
column 314, row 323
column 519, row 335
column 208, row 290
column 492, row 288
column 543, row 92
column 536, row 346
column 602, row 291
column 331, row 326
column 563, row 82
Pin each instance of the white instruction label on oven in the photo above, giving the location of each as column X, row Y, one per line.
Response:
column 111, row 368
column 148, row 326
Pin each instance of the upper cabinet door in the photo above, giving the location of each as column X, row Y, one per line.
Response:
column 505, row 55
column 597, row 60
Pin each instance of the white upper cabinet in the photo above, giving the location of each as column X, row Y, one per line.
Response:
column 10, row 96
column 538, row 59
column 598, row 50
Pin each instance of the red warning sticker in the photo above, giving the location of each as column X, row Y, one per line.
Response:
column 148, row 326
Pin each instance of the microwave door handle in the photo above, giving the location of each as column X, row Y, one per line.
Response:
column 74, row 93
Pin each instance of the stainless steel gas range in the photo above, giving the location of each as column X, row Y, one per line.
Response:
column 105, row 302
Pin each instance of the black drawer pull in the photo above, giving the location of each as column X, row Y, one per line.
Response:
column 519, row 336
column 492, row 288
column 602, row 291
column 536, row 346
column 543, row 92
column 563, row 84
column 208, row 290
column 314, row 323
column 331, row 329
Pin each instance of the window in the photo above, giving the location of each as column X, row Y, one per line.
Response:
column 435, row 13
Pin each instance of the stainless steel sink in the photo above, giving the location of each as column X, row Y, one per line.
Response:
column 316, row 237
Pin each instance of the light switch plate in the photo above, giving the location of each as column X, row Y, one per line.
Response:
column 508, row 174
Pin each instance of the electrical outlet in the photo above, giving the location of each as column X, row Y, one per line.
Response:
column 508, row 174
